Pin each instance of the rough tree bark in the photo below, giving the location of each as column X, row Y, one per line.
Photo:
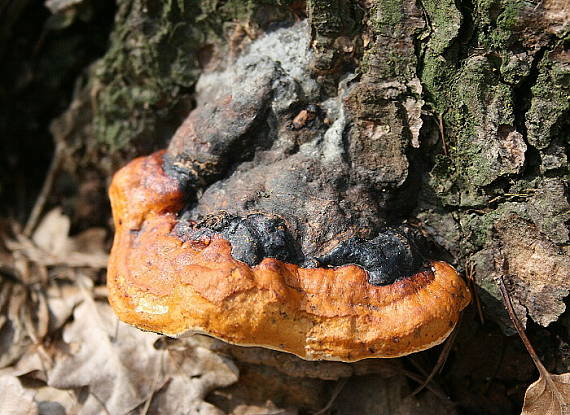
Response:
column 454, row 113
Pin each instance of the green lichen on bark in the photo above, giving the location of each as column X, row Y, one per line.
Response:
column 393, row 26
column 145, row 79
column 329, row 18
column 152, row 57
column 463, row 79
column 387, row 15
column 444, row 21
column 506, row 25
column 439, row 66
column 549, row 111
column 500, row 85
column 489, row 108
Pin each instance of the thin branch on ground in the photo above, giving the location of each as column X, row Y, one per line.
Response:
column 432, row 386
column 336, row 391
column 440, row 362
column 45, row 192
column 519, row 327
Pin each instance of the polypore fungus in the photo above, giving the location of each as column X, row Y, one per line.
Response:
column 161, row 283
column 262, row 227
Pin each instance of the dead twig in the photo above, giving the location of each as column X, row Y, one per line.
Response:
column 100, row 402
column 519, row 327
column 550, row 394
column 509, row 196
column 432, row 386
column 40, row 256
column 439, row 364
column 336, row 391
column 418, row 366
column 155, row 385
column 46, row 190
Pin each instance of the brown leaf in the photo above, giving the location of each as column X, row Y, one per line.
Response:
column 58, row 6
column 14, row 335
column 15, row 399
column 193, row 371
column 52, row 401
column 61, row 300
column 31, row 361
column 51, row 233
column 549, row 395
column 51, row 244
column 119, row 365
column 123, row 370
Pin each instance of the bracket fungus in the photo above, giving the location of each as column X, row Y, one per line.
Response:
column 162, row 283
column 262, row 230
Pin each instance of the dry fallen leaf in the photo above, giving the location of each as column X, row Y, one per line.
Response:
column 51, row 244
column 32, row 361
column 61, row 300
column 15, row 399
column 193, row 372
column 52, row 401
column 550, row 394
column 119, row 367
column 23, row 320
column 123, row 370
column 51, row 233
